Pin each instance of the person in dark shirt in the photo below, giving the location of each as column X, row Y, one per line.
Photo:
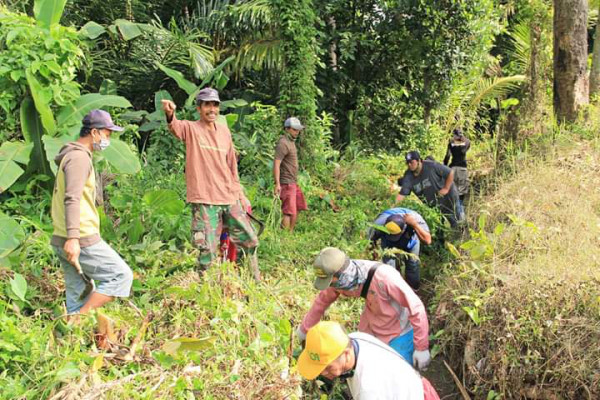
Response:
column 457, row 151
column 433, row 183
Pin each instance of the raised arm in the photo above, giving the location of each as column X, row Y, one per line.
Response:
column 176, row 126
column 417, row 225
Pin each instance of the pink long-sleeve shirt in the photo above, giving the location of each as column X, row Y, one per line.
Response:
column 392, row 308
column 211, row 173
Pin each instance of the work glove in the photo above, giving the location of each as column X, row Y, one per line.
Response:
column 301, row 336
column 421, row 359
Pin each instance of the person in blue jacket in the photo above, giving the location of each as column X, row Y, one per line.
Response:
column 402, row 229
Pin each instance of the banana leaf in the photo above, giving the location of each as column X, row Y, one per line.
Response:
column 74, row 113
column 183, row 83
column 52, row 145
column 120, row 156
column 11, row 235
column 129, row 30
column 91, row 30
column 32, row 129
column 48, row 12
column 41, row 98
column 11, row 155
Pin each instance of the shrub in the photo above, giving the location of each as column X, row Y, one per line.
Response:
column 52, row 56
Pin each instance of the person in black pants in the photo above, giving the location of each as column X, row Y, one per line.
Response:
column 457, row 151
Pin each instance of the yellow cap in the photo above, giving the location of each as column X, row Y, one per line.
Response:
column 393, row 228
column 324, row 343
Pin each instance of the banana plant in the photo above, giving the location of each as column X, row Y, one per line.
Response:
column 43, row 131
column 12, row 155
column 217, row 78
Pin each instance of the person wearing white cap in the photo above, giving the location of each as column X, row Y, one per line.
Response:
column 285, row 173
column 393, row 313
column 213, row 184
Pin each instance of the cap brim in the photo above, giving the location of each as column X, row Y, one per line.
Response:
column 115, row 128
column 307, row 367
column 394, row 238
column 210, row 99
column 323, row 283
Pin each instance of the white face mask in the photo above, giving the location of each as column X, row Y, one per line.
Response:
column 102, row 144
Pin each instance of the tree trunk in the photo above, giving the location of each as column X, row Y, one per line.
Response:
column 595, row 72
column 570, row 58
column 533, row 117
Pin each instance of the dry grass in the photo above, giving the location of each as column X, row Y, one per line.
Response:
column 539, row 328
column 561, row 197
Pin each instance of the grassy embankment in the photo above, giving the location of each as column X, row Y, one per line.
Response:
column 520, row 308
column 519, row 305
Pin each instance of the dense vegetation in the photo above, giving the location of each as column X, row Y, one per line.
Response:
column 514, row 302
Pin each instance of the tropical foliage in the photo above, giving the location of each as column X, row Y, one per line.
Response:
column 369, row 79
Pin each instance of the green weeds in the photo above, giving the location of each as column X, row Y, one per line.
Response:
column 219, row 335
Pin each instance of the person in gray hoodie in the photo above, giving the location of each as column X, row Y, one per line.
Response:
column 76, row 238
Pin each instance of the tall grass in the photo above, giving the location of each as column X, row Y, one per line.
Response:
column 521, row 307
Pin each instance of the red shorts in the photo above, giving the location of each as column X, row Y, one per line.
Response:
column 292, row 199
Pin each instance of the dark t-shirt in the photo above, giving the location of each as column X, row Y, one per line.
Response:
column 287, row 153
column 427, row 185
column 458, row 152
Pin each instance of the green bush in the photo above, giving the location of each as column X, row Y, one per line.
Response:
column 51, row 55
column 390, row 121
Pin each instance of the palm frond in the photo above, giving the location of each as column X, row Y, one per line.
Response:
column 486, row 88
column 202, row 59
column 252, row 14
column 258, row 54
column 520, row 38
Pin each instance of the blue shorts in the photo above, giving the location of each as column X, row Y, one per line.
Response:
column 404, row 346
column 99, row 262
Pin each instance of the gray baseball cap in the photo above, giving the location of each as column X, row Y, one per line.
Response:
column 293, row 123
column 207, row 94
column 100, row 119
column 329, row 261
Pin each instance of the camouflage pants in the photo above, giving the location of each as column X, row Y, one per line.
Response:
column 207, row 224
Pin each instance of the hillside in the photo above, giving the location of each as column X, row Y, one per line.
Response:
column 521, row 307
